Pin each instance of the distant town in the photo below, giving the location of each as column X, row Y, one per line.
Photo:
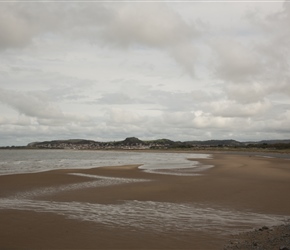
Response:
column 133, row 143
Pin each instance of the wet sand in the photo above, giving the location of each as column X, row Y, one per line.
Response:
column 243, row 183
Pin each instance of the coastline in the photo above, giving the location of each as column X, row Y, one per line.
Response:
column 243, row 183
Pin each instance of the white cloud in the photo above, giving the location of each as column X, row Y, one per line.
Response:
column 228, row 108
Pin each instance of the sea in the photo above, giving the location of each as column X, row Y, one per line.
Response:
column 144, row 216
column 30, row 161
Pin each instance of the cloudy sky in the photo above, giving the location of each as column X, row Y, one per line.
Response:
column 183, row 70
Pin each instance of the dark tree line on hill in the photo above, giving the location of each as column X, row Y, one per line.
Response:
column 135, row 143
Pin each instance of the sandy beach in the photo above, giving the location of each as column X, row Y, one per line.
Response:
column 125, row 203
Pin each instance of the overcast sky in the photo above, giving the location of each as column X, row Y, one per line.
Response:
column 109, row 70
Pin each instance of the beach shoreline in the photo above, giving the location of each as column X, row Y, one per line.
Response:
column 245, row 184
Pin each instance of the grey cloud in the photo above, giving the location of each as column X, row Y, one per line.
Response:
column 30, row 104
column 267, row 40
column 277, row 48
column 164, row 100
column 20, row 22
column 255, row 92
column 235, row 61
column 115, row 98
column 178, row 119
column 67, row 89
column 256, row 68
column 274, row 48
column 247, row 93
column 282, row 87
column 153, row 25
column 15, row 30
column 122, row 116
column 21, row 120
column 185, row 54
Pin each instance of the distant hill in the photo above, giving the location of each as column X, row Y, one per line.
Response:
column 271, row 142
column 136, row 143
column 129, row 141
column 57, row 142
column 216, row 143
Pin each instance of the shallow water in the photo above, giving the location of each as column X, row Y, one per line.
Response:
column 96, row 181
column 27, row 161
column 158, row 217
